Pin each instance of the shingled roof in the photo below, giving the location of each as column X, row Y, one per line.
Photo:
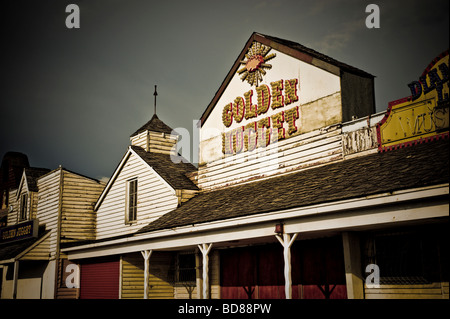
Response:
column 154, row 125
column 412, row 167
column 172, row 173
column 32, row 174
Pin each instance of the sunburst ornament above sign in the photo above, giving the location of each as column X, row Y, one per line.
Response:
column 255, row 63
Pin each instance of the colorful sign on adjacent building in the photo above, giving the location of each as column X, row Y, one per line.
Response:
column 424, row 115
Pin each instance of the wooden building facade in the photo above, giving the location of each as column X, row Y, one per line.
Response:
column 295, row 195
column 301, row 191
column 47, row 209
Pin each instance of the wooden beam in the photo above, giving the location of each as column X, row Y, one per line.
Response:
column 15, row 278
column 205, row 249
column 146, row 254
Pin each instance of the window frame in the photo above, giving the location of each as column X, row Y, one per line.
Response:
column 23, row 207
column 404, row 256
column 131, row 197
column 178, row 279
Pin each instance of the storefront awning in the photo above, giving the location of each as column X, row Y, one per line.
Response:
column 12, row 251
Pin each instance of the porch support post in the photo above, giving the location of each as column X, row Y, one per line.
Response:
column 287, row 242
column 205, row 249
column 146, row 254
column 352, row 260
column 15, row 278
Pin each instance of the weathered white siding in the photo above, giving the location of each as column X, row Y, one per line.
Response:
column 316, row 140
column 360, row 136
column 313, row 84
column 140, row 140
column 301, row 151
column 155, row 198
column 48, row 205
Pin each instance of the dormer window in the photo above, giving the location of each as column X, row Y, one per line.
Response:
column 23, row 207
column 131, row 209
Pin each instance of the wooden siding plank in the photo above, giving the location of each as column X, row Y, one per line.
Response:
column 304, row 150
column 133, row 276
column 48, row 205
column 421, row 291
column 78, row 199
column 154, row 199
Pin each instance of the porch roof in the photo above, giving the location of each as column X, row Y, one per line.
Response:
column 12, row 250
column 416, row 166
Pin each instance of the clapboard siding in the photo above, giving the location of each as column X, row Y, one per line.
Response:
column 13, row 214
column 140, row 140
column 40, row 252
column 48, row 205
column 78, row 199
column 301, row 151
column 160, row 286
column 14, row 201
column 162, row 143
column 155, row 198
column 437, row 290
column 155, row 142
column 161, row 275
column 132, row 276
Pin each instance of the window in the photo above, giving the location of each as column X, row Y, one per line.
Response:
column 407, row 257
column 186, row 271
column 131, row 214
column 23, row 207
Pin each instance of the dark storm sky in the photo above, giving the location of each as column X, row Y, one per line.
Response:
column 74, row 96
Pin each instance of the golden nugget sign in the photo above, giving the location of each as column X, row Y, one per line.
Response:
column 424, row 115
column 20, row 231
column 263, row 130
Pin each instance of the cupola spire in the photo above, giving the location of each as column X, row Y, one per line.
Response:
column 155, row 94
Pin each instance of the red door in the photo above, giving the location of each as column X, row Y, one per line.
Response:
column 252, row 273
column 99, row 279
column 318, row 270
column 237, row 274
